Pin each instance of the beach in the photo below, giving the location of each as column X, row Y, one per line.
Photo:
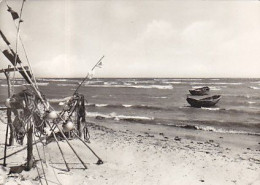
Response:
column 177, row 101
column 146, row 133
column 138, row 154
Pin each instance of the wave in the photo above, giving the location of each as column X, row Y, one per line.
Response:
column 255, row 88
column 19, row 85
column 5, row 85
column 133, row 86
column 42, row 83
column 126, row 106
column 176, row 82
column 213, row 88
column 101, row 105
column 116, row 117
column 209, row 128
column 58, row 80
column 67, row 85
column 215, row 83
column 249, row 110
column 140, row 82
column 211, row 108
column 240, row 95
column 221, row 130
column 257, row 82
column 159, row 97
column 58, row 100
column 153, row 121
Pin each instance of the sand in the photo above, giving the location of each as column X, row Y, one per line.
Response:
column 143, row 155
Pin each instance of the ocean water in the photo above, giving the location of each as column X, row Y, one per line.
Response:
column 162, row 102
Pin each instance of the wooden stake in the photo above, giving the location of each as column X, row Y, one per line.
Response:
column 99, row 159
column 9, row 112
column 62, row 133
column 9, row 120
column 29, row 163
column 6, row 136
column 67, row 166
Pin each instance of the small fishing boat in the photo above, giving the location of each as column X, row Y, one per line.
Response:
column 204, row 102
column 200, row 91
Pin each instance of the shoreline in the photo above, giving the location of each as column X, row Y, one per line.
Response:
column 149, row 154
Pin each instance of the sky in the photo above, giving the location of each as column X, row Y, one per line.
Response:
column 184, row 39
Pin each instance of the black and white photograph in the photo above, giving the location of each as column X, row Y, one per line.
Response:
column 129, row 92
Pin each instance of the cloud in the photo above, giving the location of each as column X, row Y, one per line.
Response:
column 61, row 65
column 158, row 29
column 165, row 38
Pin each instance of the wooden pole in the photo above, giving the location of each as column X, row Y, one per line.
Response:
column 63, row 135
column 9, row 119
column 67, row 166
column 6, row 136
column 78, row 121
column 29, row 163
column 9, row 112
column 99, row 159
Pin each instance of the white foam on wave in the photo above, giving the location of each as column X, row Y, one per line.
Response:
column 127, row 106
column 221, row 130
column 216, row 83
column 101, row 105
column 140, row 82
column 134, row 86
column 95, row 82
column 95, row 114
column 58, row 100
column 155, row 87
column 57, row 80
column 188, row 79
column 210, row 108
column 134, row 117
column 38, row 83
column 42, row 83
column 114, row 116
column 255, row 88
column 110, row 83
column 159, row 97
column 67, row 85
column 176, row 82
column 213, row 88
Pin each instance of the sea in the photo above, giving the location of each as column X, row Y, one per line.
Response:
column 160, row 101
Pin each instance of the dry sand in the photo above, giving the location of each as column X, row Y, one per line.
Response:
column 143, row 155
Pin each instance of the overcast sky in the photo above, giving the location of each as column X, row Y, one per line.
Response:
column 65, row 38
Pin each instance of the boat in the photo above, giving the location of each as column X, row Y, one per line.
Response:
column 204, row 102
column 200, row 91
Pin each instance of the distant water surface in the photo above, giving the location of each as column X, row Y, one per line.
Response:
column 162, row 101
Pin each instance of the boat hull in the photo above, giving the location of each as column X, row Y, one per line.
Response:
column 204, row 102
column 199, row 91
